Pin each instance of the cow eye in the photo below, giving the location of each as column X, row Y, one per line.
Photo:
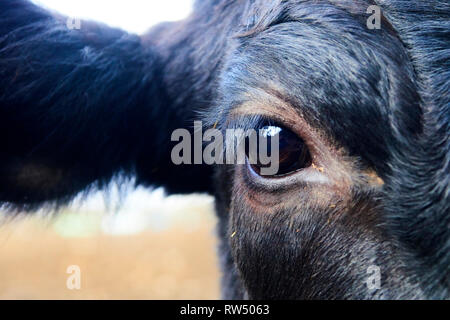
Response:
column 294, row 154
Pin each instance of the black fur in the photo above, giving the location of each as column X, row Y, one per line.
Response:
column 79, row 107
column 417, row 206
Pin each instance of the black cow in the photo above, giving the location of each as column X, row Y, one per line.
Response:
column 367, row 110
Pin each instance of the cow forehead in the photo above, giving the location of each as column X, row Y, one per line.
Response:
column 341, row 78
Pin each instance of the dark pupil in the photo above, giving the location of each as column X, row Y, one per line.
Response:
column 294, row 154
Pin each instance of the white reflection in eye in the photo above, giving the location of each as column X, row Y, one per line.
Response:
column 270, row 131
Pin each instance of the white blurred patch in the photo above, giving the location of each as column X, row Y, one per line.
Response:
column 134, row 211
column 131, row 15
column 154, row 211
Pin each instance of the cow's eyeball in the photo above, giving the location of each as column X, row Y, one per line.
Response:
column 294, row 154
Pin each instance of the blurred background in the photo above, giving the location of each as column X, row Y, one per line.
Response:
column 149, row 247
column 141, row 246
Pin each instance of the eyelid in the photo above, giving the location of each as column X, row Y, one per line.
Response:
column 247, row 122
column 269, row 106
column 254, row 114
column 330, row 164
column 258, row 120
column 287, row 117
column 304, row 176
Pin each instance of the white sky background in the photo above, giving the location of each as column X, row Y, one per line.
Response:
column 135, row 16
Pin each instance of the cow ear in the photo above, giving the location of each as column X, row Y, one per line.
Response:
column 191, row 53
column 81, row 103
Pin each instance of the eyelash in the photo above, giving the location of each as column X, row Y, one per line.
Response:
column 248, row 122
